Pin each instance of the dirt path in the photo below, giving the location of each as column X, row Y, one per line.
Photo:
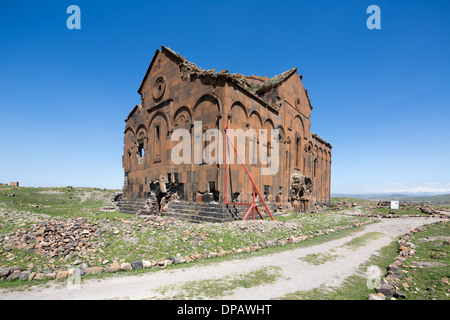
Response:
column 296, row 273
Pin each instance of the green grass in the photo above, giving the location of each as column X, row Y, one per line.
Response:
column 361, row 241
column 320, row 258
column 406, row 210
column 428, row 270
column 58, row 202
column 354, row 287
column 438, row 202
column 216, row 288
column 440, row 206
column 350, row 200
column 139, row 239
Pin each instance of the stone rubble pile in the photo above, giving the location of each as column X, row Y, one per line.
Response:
column 337, row 205
column 55, row 238
column 69, row 238
column 426, row 209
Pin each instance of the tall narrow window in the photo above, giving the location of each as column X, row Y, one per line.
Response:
column 287, row 161
column 205, row 137
column 315, row 167
column 157, row 143
column 304, row 163
column 255, row 149
column 297, row 152
column 141, row 151
column 129, row 160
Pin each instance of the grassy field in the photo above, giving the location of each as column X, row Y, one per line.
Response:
column 428, row 271
column 127, row 238
column 406, row 210
column 368, row 206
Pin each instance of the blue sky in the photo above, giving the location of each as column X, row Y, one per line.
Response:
column 380, row 97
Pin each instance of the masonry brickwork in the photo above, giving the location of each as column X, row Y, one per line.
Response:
column 175, row 93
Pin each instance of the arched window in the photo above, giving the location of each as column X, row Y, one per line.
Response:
column 141, row 150
column 298, row 148
column 287, row 162
column 157, row 141
column 205, row 139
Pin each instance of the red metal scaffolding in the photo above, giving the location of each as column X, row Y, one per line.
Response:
column 252, row 205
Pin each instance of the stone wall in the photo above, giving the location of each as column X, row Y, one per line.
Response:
column 175, row 93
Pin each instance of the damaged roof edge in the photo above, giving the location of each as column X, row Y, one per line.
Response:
column 148, row 71
column 273, row 82
column 315, row 136
column 240, row 82
column 132, row 112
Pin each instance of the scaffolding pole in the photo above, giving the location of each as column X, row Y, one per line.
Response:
column 252, row 205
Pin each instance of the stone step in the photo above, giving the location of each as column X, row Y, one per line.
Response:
column 193, row 206
column 217, row 206
column 199, row 213
column 194, row 212
column 198, row 205
column 196, row 218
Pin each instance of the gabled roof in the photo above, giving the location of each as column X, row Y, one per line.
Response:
column 148, row 70
column 190, row 69
column 273, row 82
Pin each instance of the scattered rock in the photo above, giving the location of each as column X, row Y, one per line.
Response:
column 126, row 266
column 115, row 266
column 146, row 264
column 376, row 296
column 137, row 265
column 31, row 276
column 399, row 294
column 51, row 275
column 178, row 259
column 24, row 275
column 13, row 276
column 56, row 238
column 93, row 270
column 39, row 276
column 395, row 272
column 62, row 274
column 84, row 265
column 4, row 272
column 386, row 289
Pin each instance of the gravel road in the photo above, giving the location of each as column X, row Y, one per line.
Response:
column 296, row 273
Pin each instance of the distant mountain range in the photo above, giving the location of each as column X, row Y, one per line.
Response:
column 423, row 196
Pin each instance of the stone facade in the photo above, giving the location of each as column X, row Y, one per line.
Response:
column 175, row 93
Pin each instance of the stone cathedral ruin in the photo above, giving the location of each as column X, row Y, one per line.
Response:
column 177, row 94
